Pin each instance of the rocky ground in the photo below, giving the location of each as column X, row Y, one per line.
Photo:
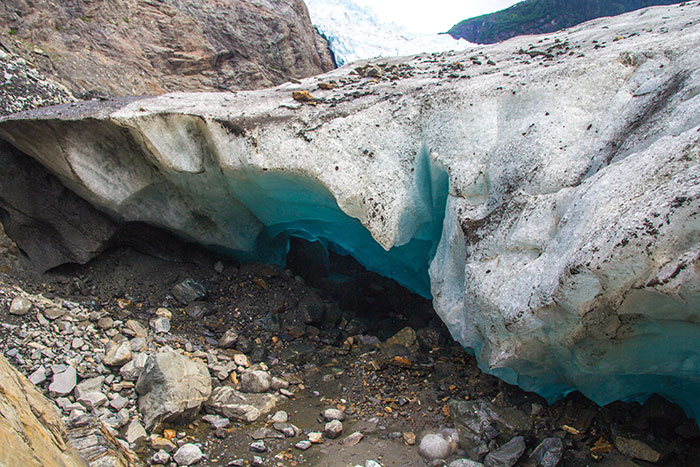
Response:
column 188, row 358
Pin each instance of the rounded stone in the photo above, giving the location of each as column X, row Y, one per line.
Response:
column 434, row 446
column 188, row 454
column 20, row 306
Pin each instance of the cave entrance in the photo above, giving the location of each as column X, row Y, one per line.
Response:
column 376, row 303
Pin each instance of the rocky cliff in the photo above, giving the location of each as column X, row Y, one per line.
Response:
column 544, row 191
column 542, row 16
column 104, row 48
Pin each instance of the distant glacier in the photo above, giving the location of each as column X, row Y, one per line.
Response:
column 354, row 33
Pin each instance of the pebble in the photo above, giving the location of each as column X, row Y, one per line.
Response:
column 188, row 291
column 63, row 382
column 160, row 325
column 280, row 417
column 548, row 453
column 255, row 381
column 53, row 313
column 637, row 449
column 333, row 429
column 160, row 443
column 258, row 446
column 135, row 432
column 105, row 323
column 119, row 402
column 464, row 463
column 434, row 446
column 409, row 438
column 160, row 457
column 353, row 439
column 333, row 414
column 92, row 400
column 507, row 455
column 229, row 339
column 303, row 445
column 39, row 376
column 217, row 421
column 20, row 306
column 316, row 437
column 188, row 454
column 118, row 354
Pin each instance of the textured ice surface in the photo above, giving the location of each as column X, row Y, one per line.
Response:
column 562, row 191
column 354, row 33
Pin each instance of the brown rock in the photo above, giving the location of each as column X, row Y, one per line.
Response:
column 31, row 432
column 302, row 96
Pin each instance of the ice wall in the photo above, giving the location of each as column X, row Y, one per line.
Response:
column 556, row 189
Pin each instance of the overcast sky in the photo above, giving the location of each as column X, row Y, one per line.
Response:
column 432, row 16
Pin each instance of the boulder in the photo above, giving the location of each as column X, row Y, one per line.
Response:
column 171, row 387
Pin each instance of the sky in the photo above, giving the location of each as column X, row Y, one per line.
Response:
column 432, row 16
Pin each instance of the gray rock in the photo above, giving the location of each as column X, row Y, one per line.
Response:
column 133, row 369
column 64, row 382
column 197, row 310
column 38, row 376
column 303, row 445
column 188, row 291
column 20, row 306
column 287, row 429
column 255, row 381
column 333, row 429
column 89, row 385
column 53, row 313
column 160, row 325
column 435, row 446
column 118, row 353
column 240, row 406
column 170, row 387
column 258, row 446
column 119, row 402
column 161, row 457
column 507, row 455
column 137, row 328
column 188, row 454
column 280, row 417
column 105, row 323
column 135, row 432
column 548, row 453
column 333, row 414
column 216, row 421
column 228, row 340
column 265, row 433
column 92, row 400
column 278, row 383
column 480, row 421
column 138, row 344
column 637, row 449
column 464, row 463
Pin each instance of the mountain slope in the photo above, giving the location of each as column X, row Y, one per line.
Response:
column 542, row 16
column 131, row 47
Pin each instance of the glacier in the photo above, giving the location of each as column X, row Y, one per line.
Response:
column 354, row 33
column 549, row 203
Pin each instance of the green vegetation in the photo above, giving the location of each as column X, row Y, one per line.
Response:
column 12, row 32
column 542, row 16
